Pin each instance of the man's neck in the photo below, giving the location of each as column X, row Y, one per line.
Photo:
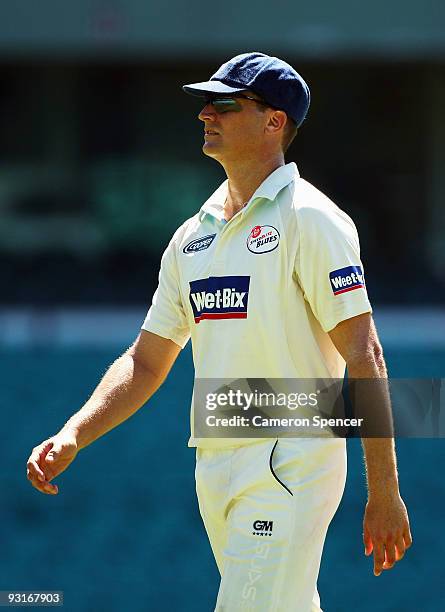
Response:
column 244, row 180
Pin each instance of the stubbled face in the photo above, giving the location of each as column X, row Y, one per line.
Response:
column 233, row 136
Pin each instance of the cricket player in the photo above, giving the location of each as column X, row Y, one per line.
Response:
column 266, row 280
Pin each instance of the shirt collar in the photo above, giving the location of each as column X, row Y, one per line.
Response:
column 269, row 189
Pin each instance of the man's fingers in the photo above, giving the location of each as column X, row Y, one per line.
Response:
column 42, row 450
column 367, row 541
column 386, row 529
column 50, row 459
column 33, row 471
column 392, row 551
column 51, row 489
column 390, row 556
column 400, row 548
column 379, row 557
column 42, row 486
column 47, row 487
column 36, row 472
column 51, row 463
column 407, row 537
column 35, row 460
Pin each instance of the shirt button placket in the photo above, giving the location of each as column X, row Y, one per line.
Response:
column 218, row 266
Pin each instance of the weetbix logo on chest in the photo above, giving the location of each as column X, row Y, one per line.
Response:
column 347, row 279
column 219, row 297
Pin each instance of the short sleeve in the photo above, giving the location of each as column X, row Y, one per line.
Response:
column 328, row 266
column 166, row 316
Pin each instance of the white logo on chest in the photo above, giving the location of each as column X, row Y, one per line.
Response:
column 263, row 239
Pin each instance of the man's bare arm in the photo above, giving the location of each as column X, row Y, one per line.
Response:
column 129, row 382
column 386, row 530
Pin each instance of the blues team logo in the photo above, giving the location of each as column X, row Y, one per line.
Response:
column 347, row 279
column 219, row 297
column 199, row 244
column 263, row 239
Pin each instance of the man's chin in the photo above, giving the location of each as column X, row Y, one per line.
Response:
column 211, row 150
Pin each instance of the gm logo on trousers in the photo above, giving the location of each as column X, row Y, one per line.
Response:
column 219, row 297
column 262, row 528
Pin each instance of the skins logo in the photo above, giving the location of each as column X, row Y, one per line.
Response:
column 347, row 279
column 199, row 244
column 263, row 239
column 219, row 297
column 262, row 528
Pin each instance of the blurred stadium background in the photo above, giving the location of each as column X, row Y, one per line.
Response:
column 100, row 162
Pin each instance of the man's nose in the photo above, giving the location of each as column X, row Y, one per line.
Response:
column 208, row 112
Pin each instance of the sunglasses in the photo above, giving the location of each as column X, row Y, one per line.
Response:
column 226, row 104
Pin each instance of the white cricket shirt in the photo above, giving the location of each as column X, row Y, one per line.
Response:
column 258, row 294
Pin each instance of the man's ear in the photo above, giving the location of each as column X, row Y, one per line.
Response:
column 277, row 121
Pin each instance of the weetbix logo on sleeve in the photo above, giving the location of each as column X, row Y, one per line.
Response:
column 219, row 297
column 347, row 279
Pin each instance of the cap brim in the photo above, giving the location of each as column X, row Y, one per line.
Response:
column 201, row 89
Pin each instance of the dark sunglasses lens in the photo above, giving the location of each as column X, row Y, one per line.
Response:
column 223, row 105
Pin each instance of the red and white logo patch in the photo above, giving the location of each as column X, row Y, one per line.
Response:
column 263, row 239
column 256, row 231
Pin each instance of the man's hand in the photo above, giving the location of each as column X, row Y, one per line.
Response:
column 49, row 459
column 386, row 530
column 128, row 383
column 386, row 524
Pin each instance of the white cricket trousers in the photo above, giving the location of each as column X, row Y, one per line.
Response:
column 266, row 508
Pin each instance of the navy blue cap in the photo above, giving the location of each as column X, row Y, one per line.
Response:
column 274, row 80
